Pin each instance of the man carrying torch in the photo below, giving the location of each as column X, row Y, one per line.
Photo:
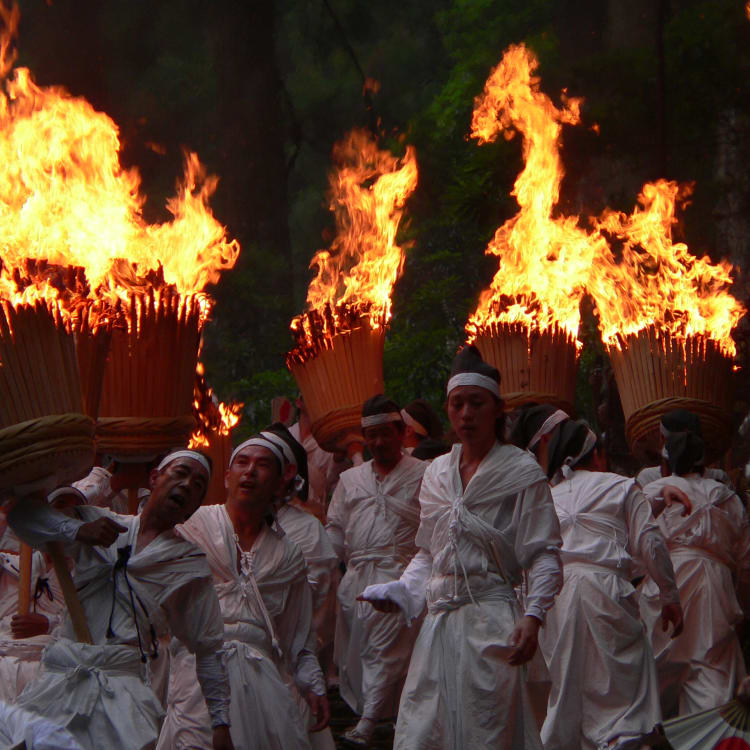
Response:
column 134, row 574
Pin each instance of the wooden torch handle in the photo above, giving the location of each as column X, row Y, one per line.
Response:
column 133, row 501
column 72, row 602
column 24, row 578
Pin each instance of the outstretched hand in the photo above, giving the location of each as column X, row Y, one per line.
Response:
column 524, row 639
column 674, row 495
column 102, row 532
column 672, row 613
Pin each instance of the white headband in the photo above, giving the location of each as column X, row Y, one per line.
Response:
column 474, row 378
column 571, row 461
column 274, row 443
column 548, row 425
column 194, row 455
column 376, row 419
column 408, row 419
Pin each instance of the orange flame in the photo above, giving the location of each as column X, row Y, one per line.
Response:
column 66, row 202
column 544, row 261
column 212, row 416
column 658, row 281
column 356, row 275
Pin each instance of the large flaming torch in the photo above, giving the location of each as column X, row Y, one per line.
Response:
column 68, row 210
column 338, row 357
column 526, row 323
column 666, row 319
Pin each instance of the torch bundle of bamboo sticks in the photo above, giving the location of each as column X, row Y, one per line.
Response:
column 534, row 366
column 92, row 334
column 656, row 373
column 147, row 391
column 43, row 430
column 219, row 448
column 336, row 373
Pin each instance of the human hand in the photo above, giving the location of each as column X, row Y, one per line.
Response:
column 382, row 605
column 524, row 639
column 320, row 710
column 102, row 532
column 674, row 495
column 672, row 613
column 222, row 740
column 27, row 626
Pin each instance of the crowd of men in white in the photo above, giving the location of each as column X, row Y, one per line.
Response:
column 487, row 599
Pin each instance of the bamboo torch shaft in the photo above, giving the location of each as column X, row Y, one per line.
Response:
column 24, row 578
column 72, row 602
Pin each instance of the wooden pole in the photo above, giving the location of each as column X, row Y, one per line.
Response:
column 72, row 602
column 133, row 500
column 24, row 578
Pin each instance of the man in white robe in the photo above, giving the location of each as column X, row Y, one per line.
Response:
column 486, row 517
column 139, row 577
column 266, row 610
column 710, row 550
column 604, row 687
column 372, row 521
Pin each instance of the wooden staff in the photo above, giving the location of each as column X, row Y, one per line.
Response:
column 132, row 500
column 24, row 578
column 72, row 602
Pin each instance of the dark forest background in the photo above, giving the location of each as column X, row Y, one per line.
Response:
column 262, row 90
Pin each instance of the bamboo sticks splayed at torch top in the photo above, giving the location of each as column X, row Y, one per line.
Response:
column 368, row 189
column 67, row 202
column 547, row 263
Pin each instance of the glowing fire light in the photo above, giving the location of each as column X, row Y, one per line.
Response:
column 212, row 417
column 544, row 260
column 658, row 282
column 71, row 222
column 356, row 274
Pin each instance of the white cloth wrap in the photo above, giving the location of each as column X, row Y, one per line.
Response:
column 372, row 420
column 372, row 522
column 35, row 526
column 262, row 710
column 475, row 543
column 594, row 635
column 710, row 550
column 193, row 455
column 474, row 378
column 96, row 692
column 17, row 726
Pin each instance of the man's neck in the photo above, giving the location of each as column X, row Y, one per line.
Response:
column 247, row 520
column 384, row 469
column 474, row 453
column 149, row 528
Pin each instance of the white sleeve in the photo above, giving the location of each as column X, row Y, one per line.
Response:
column 211, row 670
column 410, row 591
column 646, row 542
column 545, row 579
column 38, row 524
column 335, row 521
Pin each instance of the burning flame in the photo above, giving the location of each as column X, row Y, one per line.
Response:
column 356, row 274
column 544, row 261
column 67, row 204
column 212, row 417
column 658, row 281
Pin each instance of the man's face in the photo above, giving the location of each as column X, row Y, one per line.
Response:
column 384, row 442
column 254, row 478
column 178, row 489
column 472, row 412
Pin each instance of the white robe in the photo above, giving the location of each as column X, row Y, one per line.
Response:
column 601, row 666
column 703, row 667
column 475, row 543
column 20, row 657
column 372, row 525
column 263, row 614
column 307, row 532
column 99, row 693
